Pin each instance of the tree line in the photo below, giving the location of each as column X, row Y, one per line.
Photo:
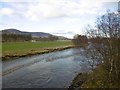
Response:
column 25, row 37
column 15, row 37
column 80, row 40
column 49, row 38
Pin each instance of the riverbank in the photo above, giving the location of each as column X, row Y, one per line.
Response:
column 78, row 81
column 98, row 78
column 21, row 49
column 36, row 52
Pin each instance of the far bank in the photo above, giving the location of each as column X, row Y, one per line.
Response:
column 22, row 49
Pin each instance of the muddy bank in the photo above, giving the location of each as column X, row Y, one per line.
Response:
column 35, row 52
column 78, row 81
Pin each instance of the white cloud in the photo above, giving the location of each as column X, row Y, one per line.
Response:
column 6, row 11
column 53, row 15
column 17, row 0
column 63, row 8
column 72, row 20
column 57, row 8
column 44, row 9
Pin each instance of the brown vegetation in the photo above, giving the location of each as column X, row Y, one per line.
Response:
column 104, row 46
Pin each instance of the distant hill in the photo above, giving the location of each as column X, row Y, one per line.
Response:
column 63, row 38
column 33, row 34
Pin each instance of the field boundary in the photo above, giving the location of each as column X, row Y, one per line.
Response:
column 45, row 50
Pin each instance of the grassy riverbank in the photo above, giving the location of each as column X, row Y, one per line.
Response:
column 20, row 49
column 96, row 79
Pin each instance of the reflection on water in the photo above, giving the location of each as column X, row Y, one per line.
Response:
column 53, row 70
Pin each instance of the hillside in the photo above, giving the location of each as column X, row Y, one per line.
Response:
column 33, row 34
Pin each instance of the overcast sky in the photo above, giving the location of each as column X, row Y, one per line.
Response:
column 59, row 17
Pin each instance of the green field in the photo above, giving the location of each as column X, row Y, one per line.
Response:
column 26, row 47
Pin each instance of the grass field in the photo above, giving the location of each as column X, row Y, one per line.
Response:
column 11, row 48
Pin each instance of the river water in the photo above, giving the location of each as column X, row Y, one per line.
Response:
column 51, row 70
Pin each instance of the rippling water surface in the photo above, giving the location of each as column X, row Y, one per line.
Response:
column 53, row 70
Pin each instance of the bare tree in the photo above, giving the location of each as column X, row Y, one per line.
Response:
column 80, row 40
column 105, row 39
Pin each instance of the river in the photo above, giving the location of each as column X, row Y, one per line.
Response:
column 51, row 70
